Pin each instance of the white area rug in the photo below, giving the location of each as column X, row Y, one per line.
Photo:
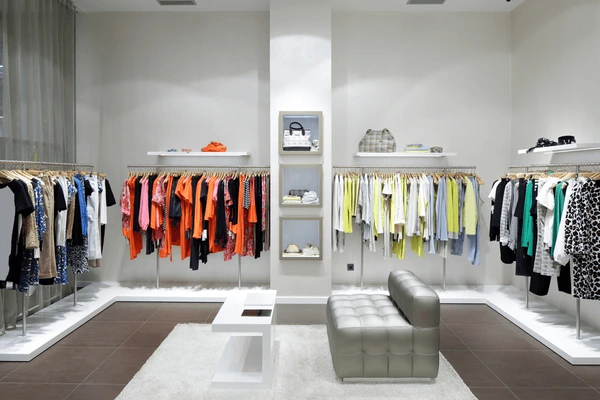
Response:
column 183, row 366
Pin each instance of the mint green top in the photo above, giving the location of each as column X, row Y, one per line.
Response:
column 527, row 234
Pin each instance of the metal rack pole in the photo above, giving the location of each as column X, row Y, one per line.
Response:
column 578, row 318
column 157, row 269
column 362, row 258
column 239, row 271
column 444, row 274
column 25, row 311
column 526, row 292
column 75, row 289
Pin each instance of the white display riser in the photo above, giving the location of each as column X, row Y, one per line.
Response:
column 552, row 327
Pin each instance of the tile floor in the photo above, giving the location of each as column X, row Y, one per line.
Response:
column 496, row 359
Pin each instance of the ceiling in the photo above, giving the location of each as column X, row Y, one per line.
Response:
column 263, row 5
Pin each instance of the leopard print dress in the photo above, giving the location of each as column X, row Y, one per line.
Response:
column 582, row 239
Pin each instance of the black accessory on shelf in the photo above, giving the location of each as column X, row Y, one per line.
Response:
column 566, row 140
column 543, row 142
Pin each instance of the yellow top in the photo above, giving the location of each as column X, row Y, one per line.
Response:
column 470, row 210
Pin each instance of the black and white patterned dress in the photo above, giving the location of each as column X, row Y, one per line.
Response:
column 582, row 239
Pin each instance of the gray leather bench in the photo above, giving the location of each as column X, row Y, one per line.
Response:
column 379, row 336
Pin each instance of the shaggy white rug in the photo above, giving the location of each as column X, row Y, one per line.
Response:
column 182, row 368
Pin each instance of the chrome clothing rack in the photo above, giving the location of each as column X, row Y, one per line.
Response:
column 389, row 169
column 564, row 167
column 157, row 168
column 25, row 165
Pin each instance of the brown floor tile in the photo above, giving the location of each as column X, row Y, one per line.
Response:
column 34, row 391
column 491, row 337
column 121, row 366
column 589, row 373
column 491, row 394
column 296, row 314
column 556, row 394
column 470, row 314
column 61, row 365
column 449, row 341
column 184, row 312
column 151, row 334
column 101, row 334
column 96, row 392
column 124, row 311
column 537, row 344
column 8, row 367
column 528, row 369
column 471, row 370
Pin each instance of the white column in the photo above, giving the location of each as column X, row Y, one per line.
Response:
column 300, row 69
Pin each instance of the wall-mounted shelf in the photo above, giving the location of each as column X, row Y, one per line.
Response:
column 565, row 148
column 198, row 154
column 404, row 155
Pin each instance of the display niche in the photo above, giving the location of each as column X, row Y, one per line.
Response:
column 300, row 238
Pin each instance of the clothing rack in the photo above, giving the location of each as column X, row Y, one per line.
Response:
column 194, row 168
column 564, row 167
column 24, row 165
column 396, row 169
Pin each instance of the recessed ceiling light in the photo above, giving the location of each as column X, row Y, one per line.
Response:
column 426, row 2
column 177, row 2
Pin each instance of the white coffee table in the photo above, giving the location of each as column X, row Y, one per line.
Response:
column 247, row 362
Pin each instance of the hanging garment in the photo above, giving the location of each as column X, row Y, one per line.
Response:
column 582, row 240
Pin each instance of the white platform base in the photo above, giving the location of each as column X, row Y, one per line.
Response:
column 549, row 325
column 241, row 365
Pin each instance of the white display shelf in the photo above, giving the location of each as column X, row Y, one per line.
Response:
column 199, row 154
column 404, row 155
column 565, row 148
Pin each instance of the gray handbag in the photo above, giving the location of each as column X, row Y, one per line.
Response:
column 377, row 142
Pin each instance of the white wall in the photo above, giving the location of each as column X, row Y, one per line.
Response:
column 556, row 91
column 440, row 79
column 154, row 81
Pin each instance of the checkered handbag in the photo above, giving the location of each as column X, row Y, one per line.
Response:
column 377, row 142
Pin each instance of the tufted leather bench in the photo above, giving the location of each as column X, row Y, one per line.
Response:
column 379, row 336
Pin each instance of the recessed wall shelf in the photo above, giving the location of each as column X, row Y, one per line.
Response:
column 565, row 148
column 405, row 155
column 199, row 154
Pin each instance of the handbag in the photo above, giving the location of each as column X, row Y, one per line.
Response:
column 377, row 142
column 296, row 138
column 543, row 142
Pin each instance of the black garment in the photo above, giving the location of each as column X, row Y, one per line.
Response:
column 136, row 205
column 59, row 200
column 110, row 197
column 195, row 245
column 87, row 188
column 507, row 255
column 175, row 205
column 540, row 284
column 495, row 220
column 258, row 233
column 204, row 245
column 110, row 201
column 221, row 225
column 234, row 192
column 77, row 236
column 524, row 265
column 24, row 207
column 149, row 231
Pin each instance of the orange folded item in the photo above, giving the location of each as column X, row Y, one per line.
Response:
column 215, row 147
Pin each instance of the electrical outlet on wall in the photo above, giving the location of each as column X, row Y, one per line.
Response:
column 350, row 267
